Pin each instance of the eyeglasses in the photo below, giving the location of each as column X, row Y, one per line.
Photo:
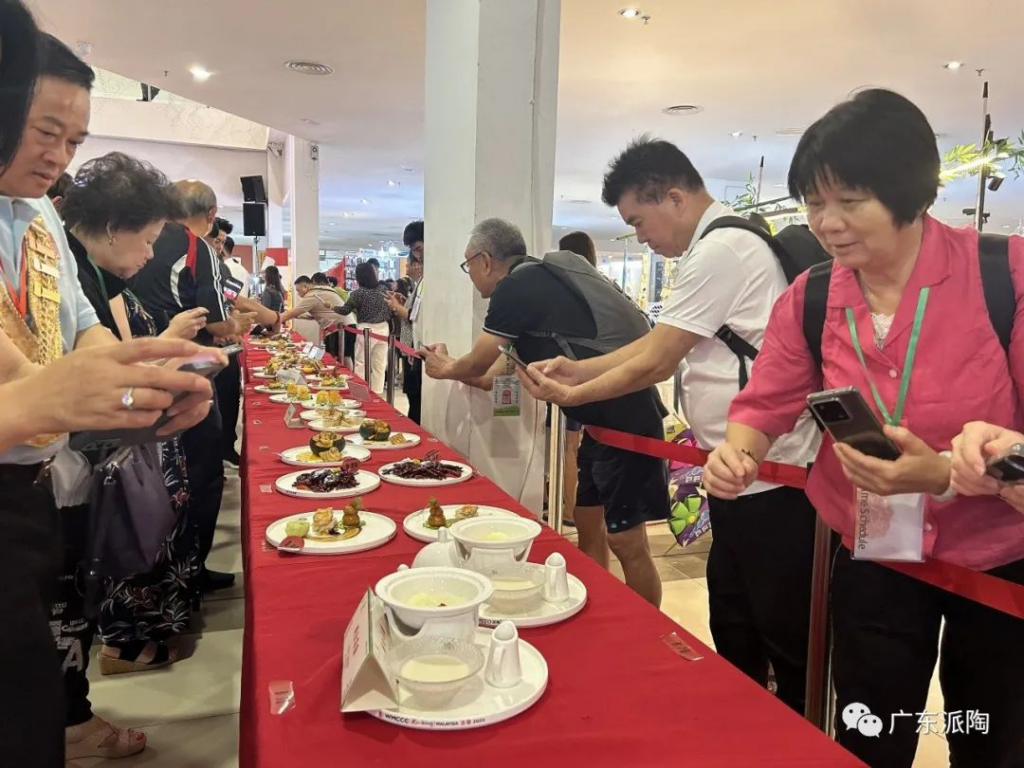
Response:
column 465, row 265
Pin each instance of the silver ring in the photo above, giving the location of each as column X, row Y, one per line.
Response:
column 128, row 399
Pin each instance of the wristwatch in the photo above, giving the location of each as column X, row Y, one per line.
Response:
column 949, row 494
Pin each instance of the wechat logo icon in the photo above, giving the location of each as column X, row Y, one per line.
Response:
column 858, row 716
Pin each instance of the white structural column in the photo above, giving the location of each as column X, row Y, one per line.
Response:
column 277, row 185
column 302, row 174
column 491, row 98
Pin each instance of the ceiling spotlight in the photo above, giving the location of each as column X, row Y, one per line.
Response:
column 309, row 67
column 629, row 13
column 393, row 183
column 677, row 110
column 364, row 201
column 953, row 66
column 200, row 73
column 330, row 224
column 736, row 134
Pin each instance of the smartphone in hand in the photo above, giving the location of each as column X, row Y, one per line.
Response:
column 1008, row 466
column 845, row 415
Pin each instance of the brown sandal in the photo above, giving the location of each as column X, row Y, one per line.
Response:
column 104, row 740
column 115, row 660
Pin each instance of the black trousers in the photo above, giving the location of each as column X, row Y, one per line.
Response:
column 759, row 584
column 202, row 446
column 229, row 393
column 72, row 631
column 32, row 708
column 886, row 636
column 413, row 386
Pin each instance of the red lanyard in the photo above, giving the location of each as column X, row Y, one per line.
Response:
column 20, row 299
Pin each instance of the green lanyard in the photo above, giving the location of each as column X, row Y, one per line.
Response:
column 908, row 364
column 99, row 279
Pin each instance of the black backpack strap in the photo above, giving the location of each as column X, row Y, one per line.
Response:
column 741, row 348
column 996, row 282
column 815, row 301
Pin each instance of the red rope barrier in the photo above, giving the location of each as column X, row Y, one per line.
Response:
column 991, row 591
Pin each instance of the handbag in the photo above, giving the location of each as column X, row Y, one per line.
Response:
column 130, row 517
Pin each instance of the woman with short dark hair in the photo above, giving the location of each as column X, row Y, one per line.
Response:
column 372, row 311
column 907, row 323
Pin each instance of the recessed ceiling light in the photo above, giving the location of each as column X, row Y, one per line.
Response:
column 308, row 67
column 330, row 224
column 200, row 73
column 407, row 169
column 310, row 121
column 678, row 110
column 790, row 132
column 364, row 201
column 736, row 134
column 630, row 13
column 393, row 183
column 953, row 66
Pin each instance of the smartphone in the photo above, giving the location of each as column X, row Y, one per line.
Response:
column 232, row 349
column 203, row 364
column 845, row 415
column 1008, row 466
column 512, row 356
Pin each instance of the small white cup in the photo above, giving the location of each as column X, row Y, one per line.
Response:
column 503, row 668
column 556, row 581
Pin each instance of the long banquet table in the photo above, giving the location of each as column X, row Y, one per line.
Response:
column 617, row 694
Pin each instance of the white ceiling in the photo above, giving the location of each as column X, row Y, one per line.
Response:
column 754, row 67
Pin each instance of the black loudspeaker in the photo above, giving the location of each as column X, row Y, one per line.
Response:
column 254, row 219
column 253, row 189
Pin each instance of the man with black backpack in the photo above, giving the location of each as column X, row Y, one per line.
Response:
column 729, row 274
column 562, row 305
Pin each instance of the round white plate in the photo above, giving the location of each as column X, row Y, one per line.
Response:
column 377, row 531
column 265, row 390
column 285, row 400
column 411, row 438
column 320, row 388
column 544, row 614
column 365, row 482
column 320, row 426
column 414, row 523
column 467, row 472
column 345, row 404
column 315, row 414
column 290, row 457
column 262, row 375
column 477, row 704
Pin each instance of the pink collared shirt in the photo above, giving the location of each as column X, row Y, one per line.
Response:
column 960, row 375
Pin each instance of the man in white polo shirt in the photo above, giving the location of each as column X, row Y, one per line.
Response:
column 759, row 567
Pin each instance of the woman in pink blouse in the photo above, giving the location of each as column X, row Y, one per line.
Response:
column 900, row 282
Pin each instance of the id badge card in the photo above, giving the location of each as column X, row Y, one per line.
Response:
column 506, row 395
column 889, row 527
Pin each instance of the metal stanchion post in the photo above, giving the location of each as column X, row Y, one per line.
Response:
column 818, row 702
column 392, row 370
column 677, row 386
column 556, row 469
column 366, row 357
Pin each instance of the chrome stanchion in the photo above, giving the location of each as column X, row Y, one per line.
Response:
column 392, row 370
column 677, row 387
column 556, row 469
column 366, row 357
column 818, row 702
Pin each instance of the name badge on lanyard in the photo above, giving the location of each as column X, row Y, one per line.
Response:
column 890, row 527
column 506, row 395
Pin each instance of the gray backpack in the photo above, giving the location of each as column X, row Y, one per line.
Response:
column 619, row 321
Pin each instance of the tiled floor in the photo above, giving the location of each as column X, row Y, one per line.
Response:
column 190, row 710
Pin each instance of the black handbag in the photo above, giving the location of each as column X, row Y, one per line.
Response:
column 130, row 517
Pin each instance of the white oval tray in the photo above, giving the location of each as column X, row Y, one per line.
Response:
column 413, row 524
column 544, row 614
column 467, row 473
column 478, row 704
column 377, row 531
column 365, row 482
column 289, row 456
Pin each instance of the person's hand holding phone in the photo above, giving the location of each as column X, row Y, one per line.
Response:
column 190, row 410
column 919, row 469
column 435, row 360
column 976, row 444
column 544, row 388
column 185, row 325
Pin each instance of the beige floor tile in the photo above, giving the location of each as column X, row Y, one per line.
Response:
column 686, row 603
column 205, row 685
column 211, row 742
column 219, row 616
column 693, row 566
column 932, row 752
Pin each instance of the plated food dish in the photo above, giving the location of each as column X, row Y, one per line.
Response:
column 336, row 421
column 332, row 400
column 350, row 416
column 329, row 483
column 416, row 524
column 328, row 531
column 428, row 471
column 302, row 456
column 332, row 383
column 396, row 441
column 291, row 400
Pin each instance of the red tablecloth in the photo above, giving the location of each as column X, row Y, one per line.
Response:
column 617, row 695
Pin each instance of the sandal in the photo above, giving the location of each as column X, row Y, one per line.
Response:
column 135, row 657
column 103, row 740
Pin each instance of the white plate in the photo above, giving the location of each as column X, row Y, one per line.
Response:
column 264, row 375
column 376, row 445
column 377, row 530
column 320, row 426
column 320, row 388
column 467, row 472
column 478, row 704
column 284, row 399
column 315, row 415
column 544, row 614
column 345, row 404
column 365, row 482
column 290, row 457
column 265, row 390
column 414, row 523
